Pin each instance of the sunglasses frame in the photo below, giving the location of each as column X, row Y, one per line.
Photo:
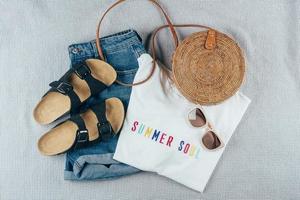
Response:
column 208, row 127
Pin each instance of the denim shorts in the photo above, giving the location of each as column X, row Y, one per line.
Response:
column 121, row 51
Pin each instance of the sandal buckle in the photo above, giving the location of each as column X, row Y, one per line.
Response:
column 82, row 71
column 82, row 136
column 64, row 87
column 61, row 87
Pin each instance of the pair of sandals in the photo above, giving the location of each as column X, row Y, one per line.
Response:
column 99, row 122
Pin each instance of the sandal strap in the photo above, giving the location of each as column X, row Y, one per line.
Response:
column 66, row 88
column 82, row 134
column 104, row 127
column 84, row 72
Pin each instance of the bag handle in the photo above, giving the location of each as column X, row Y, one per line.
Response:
column 170, row 25
column 210, row 41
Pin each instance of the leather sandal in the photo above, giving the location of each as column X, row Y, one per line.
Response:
column 73, row 88
column 98, row 123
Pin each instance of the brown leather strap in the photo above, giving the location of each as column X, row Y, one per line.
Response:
column 175, row 37
column 154, row 34
column 100, row 52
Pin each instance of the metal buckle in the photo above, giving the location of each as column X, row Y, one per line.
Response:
column 64, row 87
column 82, row 136
column 82, row 70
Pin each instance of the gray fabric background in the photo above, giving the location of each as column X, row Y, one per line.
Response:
column 263, row 157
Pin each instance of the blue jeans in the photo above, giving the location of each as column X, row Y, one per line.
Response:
column 121, row 50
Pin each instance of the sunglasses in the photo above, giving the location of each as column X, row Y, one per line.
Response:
column 210, row 140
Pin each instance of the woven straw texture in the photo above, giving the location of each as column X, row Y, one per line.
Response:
column 208, row 76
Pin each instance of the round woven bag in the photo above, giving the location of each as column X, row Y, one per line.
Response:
column 208, row 75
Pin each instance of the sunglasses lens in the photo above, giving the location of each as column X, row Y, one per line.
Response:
column 211, row 141
column 197, row 118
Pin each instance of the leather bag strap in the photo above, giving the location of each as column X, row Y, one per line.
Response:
column 170, row 25
column 154, row 34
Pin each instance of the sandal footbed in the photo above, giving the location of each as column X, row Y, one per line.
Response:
column 62, row 137
column 54, row 104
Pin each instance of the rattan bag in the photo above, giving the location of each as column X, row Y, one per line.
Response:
column 208, row 75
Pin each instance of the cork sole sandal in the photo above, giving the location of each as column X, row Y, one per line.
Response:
column 73, row 88
column 99, row 123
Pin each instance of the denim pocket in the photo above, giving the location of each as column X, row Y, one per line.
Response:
column 123, row 56
column 138, row 49
column 122, row 59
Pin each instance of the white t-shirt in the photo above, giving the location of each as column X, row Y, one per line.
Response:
column 157, row 136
